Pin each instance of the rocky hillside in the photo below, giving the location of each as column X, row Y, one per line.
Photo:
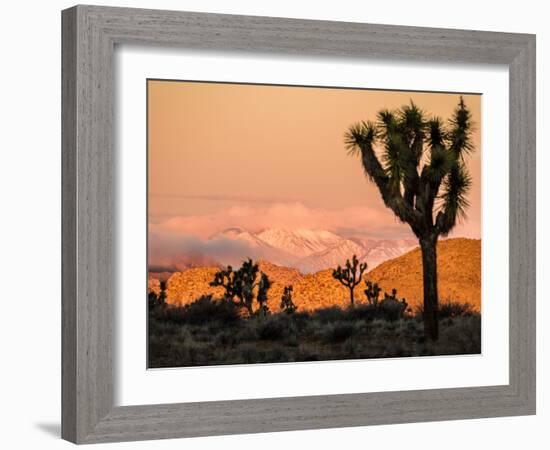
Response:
column 459, row 273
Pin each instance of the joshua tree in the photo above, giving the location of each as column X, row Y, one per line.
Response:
column 159, row 300
column 162, row 294
column 349, row 276
column 372, row 292
column 418, row 165
column 239, row 285
column 263, row 287
column 286, row 300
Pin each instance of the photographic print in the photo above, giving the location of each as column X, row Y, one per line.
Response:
column 297, row 223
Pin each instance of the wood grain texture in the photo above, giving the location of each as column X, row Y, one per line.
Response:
column 89, row 37
column 68, row 225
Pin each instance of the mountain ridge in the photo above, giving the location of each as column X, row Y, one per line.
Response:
column 459, row 274
column 308, row 250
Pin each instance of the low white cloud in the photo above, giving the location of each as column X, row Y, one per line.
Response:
column 351, row 221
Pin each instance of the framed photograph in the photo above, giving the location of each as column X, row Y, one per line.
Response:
column 278, row 224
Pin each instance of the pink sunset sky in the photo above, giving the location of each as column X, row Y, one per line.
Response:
column 258, row 157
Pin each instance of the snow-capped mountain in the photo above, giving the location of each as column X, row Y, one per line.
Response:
column 313, row 250
column 239, row 234
column 331, row 256
column 380, row 250
column 300, row 243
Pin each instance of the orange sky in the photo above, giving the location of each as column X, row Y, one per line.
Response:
column 253, row 156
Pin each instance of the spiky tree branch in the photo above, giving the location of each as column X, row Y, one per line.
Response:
column 408, row 187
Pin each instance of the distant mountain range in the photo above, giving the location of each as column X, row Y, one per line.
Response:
column 459, row 278
column 314, row 250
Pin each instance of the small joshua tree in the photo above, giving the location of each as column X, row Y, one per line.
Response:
column 157, row 300
column 287, row 305
column 392, row 306
column 350, row 276
column 392, row 297
column 162, row 294
column 263, row 286
column 226, row 279
column 372, row 292
column 240, row 284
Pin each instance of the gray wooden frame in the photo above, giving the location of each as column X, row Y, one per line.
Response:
column 89, row 36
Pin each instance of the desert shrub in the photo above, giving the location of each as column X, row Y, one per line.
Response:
column 291, row 341
column 249, row 353
column 278, row 354
column 152, row 300
column 165, row 351
column 204, row 310
column 351, row 348
column 396, row 348
column 449, row 309
column 273, row 328
column 388, row 309
column 301, row 320
column 455, row 309
column 173, row 315
column 338, row 332
column 328, row 315
column 410, row 328
column 463, row 336
column 226, row 338
column 314, row 329
column 378, row 326
column 202, row 333
column 301, row 316
column 247, row 332
column 364, row 312
column 162, row 328
column 392, row 309
column 365, row 331
column 307, row 354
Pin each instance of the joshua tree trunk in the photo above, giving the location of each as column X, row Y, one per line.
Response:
column 351, row 297
column 429, row 267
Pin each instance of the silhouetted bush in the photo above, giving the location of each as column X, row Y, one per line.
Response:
column 388, row 309
column 331, row 314
column 455, row 309
column 449, row 309
column 273, row 328
column 249, row 353
column 213, row 332
column 391, row 309
column 338, row 332
column 204, row 310
column 364, row 312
